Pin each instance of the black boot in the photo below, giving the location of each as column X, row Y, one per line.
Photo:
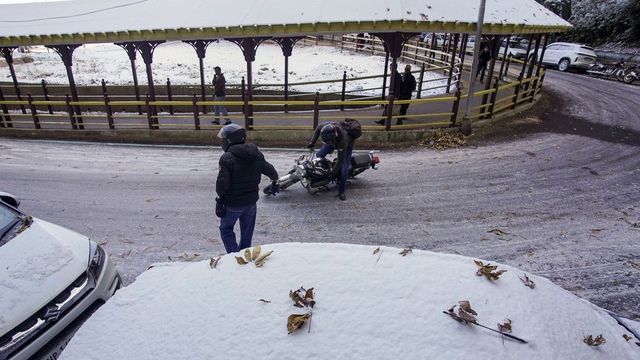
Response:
column 380, row 122
column 342, row 196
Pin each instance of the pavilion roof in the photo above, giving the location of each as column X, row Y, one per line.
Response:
column 103, row 21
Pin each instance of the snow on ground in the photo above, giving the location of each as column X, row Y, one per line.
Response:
column 178, row 61
column 368, row 306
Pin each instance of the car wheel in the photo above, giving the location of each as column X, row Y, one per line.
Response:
column 563, row 65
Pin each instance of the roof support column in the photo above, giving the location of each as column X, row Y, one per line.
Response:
column 249, row 47
column 504, row 56
column 286, row 44
column 66, row 54
column 533, row 60
column 7, row 53
column 200, row 46
column 130, row 48
column 146, row 49
column 465, row 128
column 494, row 48
column 393, row 43
column 544, row 47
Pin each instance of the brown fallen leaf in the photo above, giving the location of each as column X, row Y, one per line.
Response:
column 377, row 250
column 256, row 253
column 597, row 341
column 488, row 270
column 247, row 255
column 498, row 232
column 295, row 321
column 265, row 301
column 241, row 261
column 466, row 306
column 405, row 251
column 626, row 337
column 505, row 326
column 213, row 262
column 527, row 282
column 261, row 259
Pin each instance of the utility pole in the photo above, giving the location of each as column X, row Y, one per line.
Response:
column 466, row 121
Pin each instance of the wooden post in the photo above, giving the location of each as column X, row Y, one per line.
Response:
column 384, row 76
column 504, row 56
column 149, row 112
column 494, row 96
column 389, row 114
column 452, row 63
column 517, row 92
column 5, row 110
column 419, row 94
column 506, row 68
column 344, row 88
column 342, row 42
column 243, row 89
column 169, row 96
column 104, row 86
column 72, row 115
column 109, row 110
column 34, row 112
column 415, row 56
column 316, row 110
column 245, row 108
column 455, row 108
column 196, row 113
column 45, row 92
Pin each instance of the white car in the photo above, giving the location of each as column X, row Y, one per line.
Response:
column 49, row 276
column 569, row 55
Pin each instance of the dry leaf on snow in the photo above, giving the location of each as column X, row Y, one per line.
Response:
column 527, row 282
column 488, row 270
column 505, row 326
column 597, row 341
column 405, row 251
column 295, row 321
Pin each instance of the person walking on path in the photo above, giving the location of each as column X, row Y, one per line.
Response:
column 219, row 85
column 406, row 91
column 240, row 169
column 337, row 136
column 485, row 56
column 395, row 91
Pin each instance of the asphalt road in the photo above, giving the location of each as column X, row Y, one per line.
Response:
column 555, row 192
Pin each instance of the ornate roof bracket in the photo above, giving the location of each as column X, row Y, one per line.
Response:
column 287, row 43
column 394, row 41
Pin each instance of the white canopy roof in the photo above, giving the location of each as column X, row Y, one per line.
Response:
column 92, row 21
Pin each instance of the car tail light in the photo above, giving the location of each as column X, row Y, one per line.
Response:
column 375, row 161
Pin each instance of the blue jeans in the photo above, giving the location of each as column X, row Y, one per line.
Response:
column 247, row 216
column 344, row 171
column 219, row 108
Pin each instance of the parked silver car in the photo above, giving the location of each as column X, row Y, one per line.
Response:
column 49, row 276
column 568, row 55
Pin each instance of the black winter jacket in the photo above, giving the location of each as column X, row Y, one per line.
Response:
column 241, row 167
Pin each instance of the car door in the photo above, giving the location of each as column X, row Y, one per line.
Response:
column 552, row 54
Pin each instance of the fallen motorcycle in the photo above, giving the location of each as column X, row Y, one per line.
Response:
column 631, row 74
column 315, row 173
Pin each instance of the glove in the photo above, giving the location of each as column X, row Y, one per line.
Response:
column 274, row 188
column 310, row 145
column 221, row 210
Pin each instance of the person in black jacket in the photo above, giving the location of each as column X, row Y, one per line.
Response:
column 483, row 59
column 241, row 167
column 406, row 91
column 335, row 137
column 395, row 91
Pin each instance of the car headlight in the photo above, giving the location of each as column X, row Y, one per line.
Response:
column 96, row 261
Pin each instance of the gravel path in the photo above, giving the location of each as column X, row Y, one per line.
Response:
column 555, row 192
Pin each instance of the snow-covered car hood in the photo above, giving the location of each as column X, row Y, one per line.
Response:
column 35, row 267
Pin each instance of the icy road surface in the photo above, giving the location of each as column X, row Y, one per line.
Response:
column 562, row 201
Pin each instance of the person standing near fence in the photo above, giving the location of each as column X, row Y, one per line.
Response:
column 406, row 91
column 219, row 87
column 397, row 85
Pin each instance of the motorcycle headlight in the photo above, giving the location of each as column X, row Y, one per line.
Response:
column 96, row 261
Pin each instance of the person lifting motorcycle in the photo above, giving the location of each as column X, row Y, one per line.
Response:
column 341, row 137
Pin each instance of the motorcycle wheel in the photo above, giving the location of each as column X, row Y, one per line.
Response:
column 629, row 78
